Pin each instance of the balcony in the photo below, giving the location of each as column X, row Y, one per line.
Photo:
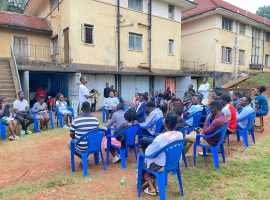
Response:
column 256, row 66
column 194, row 67
column 31, row 53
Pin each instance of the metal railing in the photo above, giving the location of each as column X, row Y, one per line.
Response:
column 193, row 66
column 33, row 52
column 14, row 71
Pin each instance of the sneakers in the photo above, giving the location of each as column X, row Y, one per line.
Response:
column 22, row 132
column 28, row 132
column 116, row 159
column 207, row 154
column 65, row 127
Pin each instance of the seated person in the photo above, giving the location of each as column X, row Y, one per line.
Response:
column 177, row 108
column 230, row 112
column 118, row 117
column 135, row 101
column 110, row 105
column 41, row 110
column 22, row 115
column 154, row 115
column 157, row 164
column 7, row 119
column 61, row 105
column 120, row 99
column 236, row 98
column 246, row 110
column 218, row 121
column 83, row 125
column 130, row 119
column 141, row 108
column 261, row 102
column 196, row 107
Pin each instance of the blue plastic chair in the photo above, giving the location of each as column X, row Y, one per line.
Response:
column 249, row 129
column 130, row 135
column 103, row 110
column 184, row 131
column 173, row 153
column 3, row 130
column 159, row 128
column 213, row 149
column 59, row 115
column 36, row 120
column 94, row 139
column 196, row 120
column 203, row 118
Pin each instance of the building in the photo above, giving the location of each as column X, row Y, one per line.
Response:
column 133, row 44
column 229, row 39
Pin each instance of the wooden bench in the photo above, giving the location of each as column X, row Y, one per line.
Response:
column 261, row 126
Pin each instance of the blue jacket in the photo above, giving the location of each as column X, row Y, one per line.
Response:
column 141, row 113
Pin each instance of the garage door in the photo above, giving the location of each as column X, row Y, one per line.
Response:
column 195, row 84
column 159, row 84
column 101, row 81
column 182, row 85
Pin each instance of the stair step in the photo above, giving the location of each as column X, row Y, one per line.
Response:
column 7, row 86
column 9, row 96
column 9, row 81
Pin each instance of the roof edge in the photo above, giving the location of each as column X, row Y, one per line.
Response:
column 26, row 28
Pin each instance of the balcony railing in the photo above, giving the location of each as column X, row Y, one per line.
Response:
column 39, row 53
column 194, row 66
column 256, row 66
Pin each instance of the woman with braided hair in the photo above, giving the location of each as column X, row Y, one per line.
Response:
column 261, row 102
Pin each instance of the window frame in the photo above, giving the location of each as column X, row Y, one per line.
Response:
column 136, row 35
column 242, row 62
column 255, row 50
column 230, row 22
column 171, row 16
column 53, row 5
column 171, row 41
column 267, row 60
column 241, row 25
column 228, row 56
column 85, row 26
column 133, row 7
column 53, row 52
column 267, row 36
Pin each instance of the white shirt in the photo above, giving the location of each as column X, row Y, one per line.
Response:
column 204, row 90
column 83, row 90
column 20, row 105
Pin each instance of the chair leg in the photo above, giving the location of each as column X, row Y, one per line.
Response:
column 108, row 151
column 123, row 157
column 204, row 152
column 139, row 181
column 51, row 121
column 135, row 151
column 194, row 154
column 36, row 125
column 180, row 181
column 126, row 152
column 166, row 179
column 228, row 139
column 96, row 158
column 102, row 159
column 245, row 138
column 85, row 165
column 222, row 152
column 252, row 135
column 238, row 136
column 184, row 158
column 3, row 132
column 161, row 185
column 60, row 119
column 72, row 161
column 215, row 157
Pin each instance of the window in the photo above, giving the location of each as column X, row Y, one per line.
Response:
column 267, row 38
column 255, row 53
column 55, row 49
column 135, row 41
column 171, row 47
column 226, row 54
column 135, row 4
column 53, row 3
column 267, row 61
column 88, row 31
column 242, row 29
column 241, row 57
column 227, row 24
column 171, row 12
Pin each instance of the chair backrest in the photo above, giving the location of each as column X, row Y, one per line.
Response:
column 251, row 118
column 173, row 153
column 159, row 125
column 184, row 131
column 93, row 139
column 55, row 109
column 222, row 131
column 196, row 118
column 130, row 134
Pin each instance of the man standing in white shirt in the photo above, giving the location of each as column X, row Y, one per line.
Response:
column 84, row 94
column 204, row 89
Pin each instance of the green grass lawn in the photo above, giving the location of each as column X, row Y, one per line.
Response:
column 246, row 175
column 258, row 79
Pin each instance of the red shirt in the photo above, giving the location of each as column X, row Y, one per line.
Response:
column 233, row 121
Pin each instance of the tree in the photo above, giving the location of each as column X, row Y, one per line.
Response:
column 264, row 11
column 12, row 5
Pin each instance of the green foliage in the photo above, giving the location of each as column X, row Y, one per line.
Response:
column 12, row 5
column 264, row 11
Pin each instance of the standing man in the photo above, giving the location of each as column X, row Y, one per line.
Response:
column 107, row 90
column 204, row 89
column 84, row 94
column 190, row 92
column 21, row 109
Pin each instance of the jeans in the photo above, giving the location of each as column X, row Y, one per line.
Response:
column 145, row 142
column 109, row 114
column 261, row 112
column 21, row 118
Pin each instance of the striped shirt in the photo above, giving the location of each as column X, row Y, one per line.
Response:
column 81, row 126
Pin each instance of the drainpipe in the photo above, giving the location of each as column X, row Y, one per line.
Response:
column 118, row 44
column 236, row 63
column 150, row 33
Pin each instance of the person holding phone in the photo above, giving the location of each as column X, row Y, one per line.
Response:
column 214, row 121
column 41, row 110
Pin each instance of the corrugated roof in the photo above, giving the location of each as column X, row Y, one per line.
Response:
column 209, row 5
column 24, row 21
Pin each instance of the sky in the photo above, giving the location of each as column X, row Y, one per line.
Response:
column 249, row 5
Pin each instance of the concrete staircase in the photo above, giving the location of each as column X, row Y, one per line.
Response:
column 234, row 82
column 7, row 88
